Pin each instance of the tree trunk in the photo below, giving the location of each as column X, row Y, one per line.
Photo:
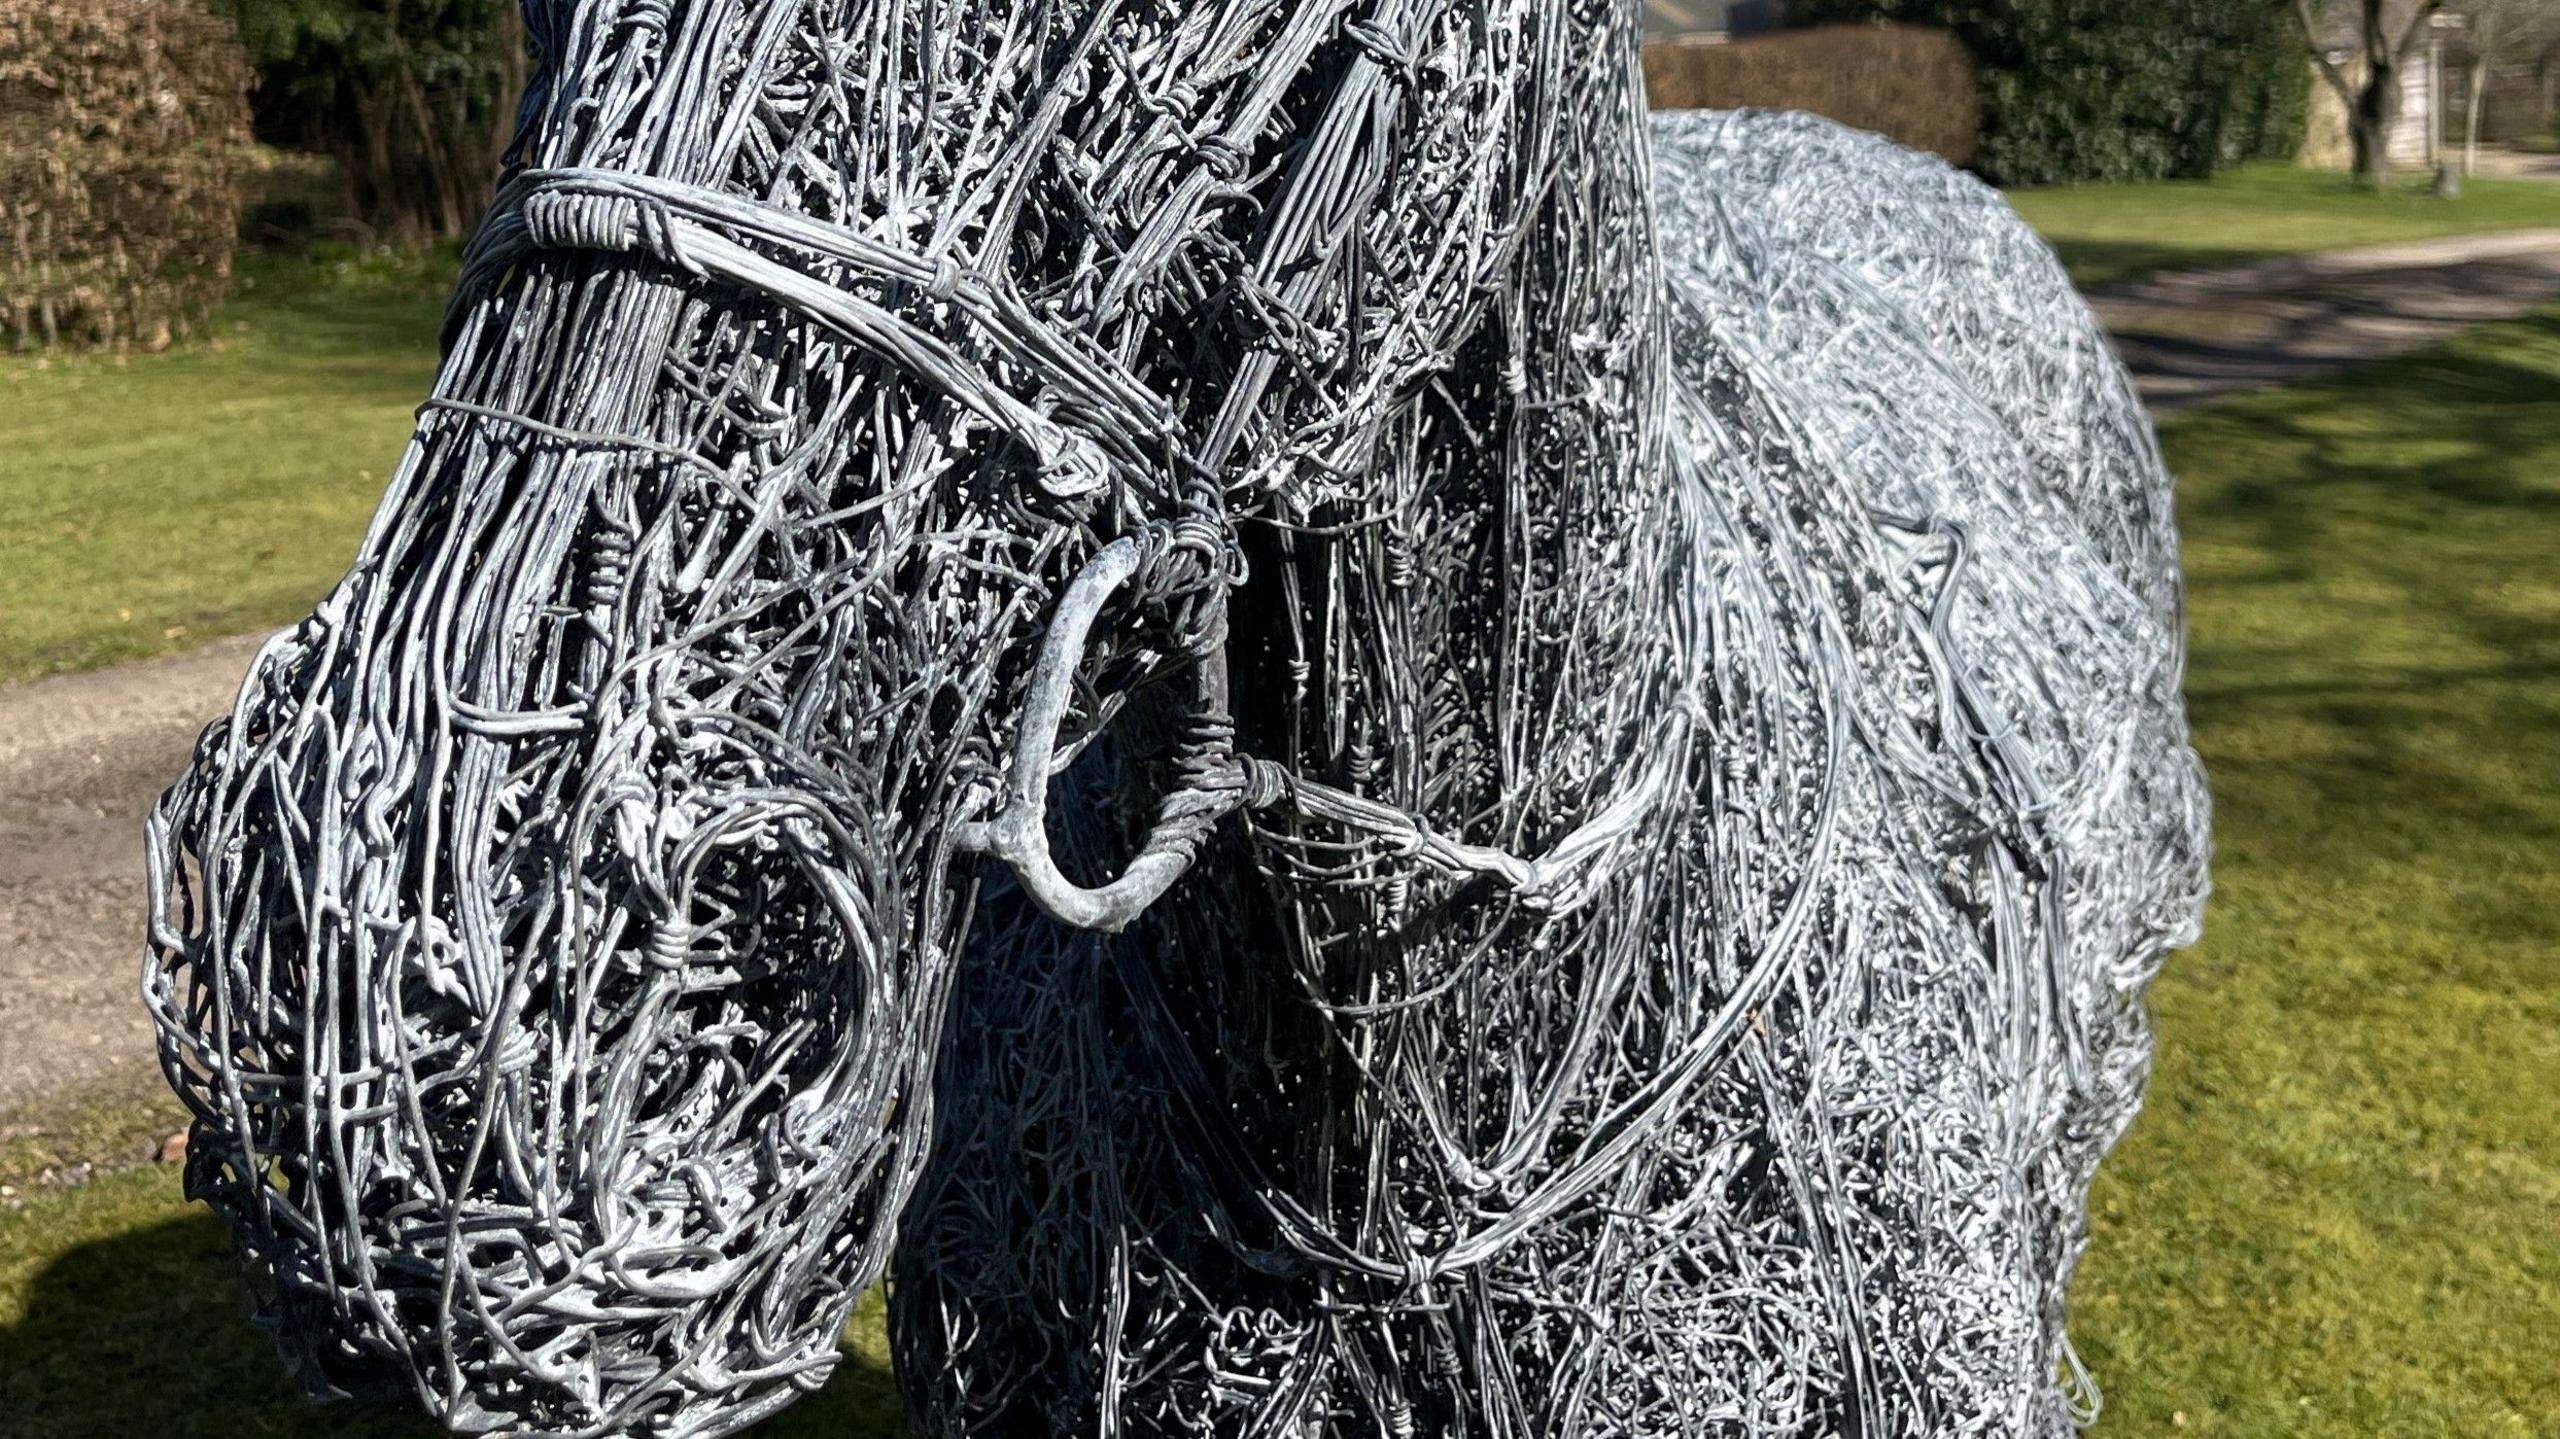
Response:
column 2377, row 113
column 2471, row 120
column 511, row 62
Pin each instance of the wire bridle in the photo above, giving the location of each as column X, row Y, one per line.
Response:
column 1118, row 422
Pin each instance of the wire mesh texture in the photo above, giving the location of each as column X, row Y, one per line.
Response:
column 1327, row 736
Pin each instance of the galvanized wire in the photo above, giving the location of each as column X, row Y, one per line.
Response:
column 1649, row 665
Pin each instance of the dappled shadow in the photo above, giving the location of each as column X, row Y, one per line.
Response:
column 2373, row 660
column 2187, row 344
column 146, row 1336
column 2424, row 442
column 2383, row 759
column 2093, row 263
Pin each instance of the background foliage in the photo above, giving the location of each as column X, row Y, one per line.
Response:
column 1911, row 83
column 414, row 99
column 2079, row 90
column 124, row 130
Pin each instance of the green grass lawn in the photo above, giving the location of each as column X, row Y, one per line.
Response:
column 159, row 501
column 2341, row 1213
column 2107, row 233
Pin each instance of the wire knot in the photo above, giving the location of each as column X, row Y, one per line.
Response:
column 649, row 15
column 670, row 945
column 1221, row 156
column 560, row 216
column 944, row 287
column 581, row 220
column 1188, row 577
column 1375, row 41
column 1421, row 1271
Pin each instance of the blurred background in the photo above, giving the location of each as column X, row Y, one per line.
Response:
column 2325, row 234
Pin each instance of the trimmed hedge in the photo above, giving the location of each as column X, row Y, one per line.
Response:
column 124, row 130
column 1911, row 84
column 2080, row 90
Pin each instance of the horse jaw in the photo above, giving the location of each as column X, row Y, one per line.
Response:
column 553, row 944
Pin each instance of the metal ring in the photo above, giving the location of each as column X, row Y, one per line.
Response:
column 1019, row 834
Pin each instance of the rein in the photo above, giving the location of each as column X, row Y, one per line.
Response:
column 1092, row 422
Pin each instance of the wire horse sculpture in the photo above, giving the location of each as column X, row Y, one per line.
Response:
column 1328, row 737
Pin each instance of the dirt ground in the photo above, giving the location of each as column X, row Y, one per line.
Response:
column 2500, row 163
column 2198, row 336
column 82, row 758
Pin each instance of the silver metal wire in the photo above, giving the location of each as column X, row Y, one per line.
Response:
column 1639, row 672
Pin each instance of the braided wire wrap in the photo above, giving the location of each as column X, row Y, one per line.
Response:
column 572, row 947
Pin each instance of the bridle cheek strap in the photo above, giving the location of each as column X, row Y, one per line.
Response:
column 701, row 232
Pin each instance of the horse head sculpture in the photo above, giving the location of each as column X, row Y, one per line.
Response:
column 1169, row 662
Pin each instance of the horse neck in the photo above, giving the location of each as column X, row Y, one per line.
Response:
column 1433, row 650
column 1469, row 644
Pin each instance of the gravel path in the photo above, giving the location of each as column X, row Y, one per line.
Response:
column 82, row 757
column 2198, row 336
column 2497, row 162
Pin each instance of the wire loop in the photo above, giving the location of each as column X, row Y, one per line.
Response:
column 1209, row 786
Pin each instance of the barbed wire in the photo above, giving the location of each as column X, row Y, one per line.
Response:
column 1641, row 674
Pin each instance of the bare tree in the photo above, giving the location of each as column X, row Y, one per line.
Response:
column 2501, row 30
column 2373, row 97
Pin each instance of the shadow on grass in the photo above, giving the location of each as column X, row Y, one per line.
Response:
column 2336, row 1210
column 2291, row 331
column 146, row 1336
column 2408, row 467
column 2094, row 263
column 2372, row 589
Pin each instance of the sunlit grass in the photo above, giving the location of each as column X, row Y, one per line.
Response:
column 2340, row 1215
column 156, row 502
column 2107, row 233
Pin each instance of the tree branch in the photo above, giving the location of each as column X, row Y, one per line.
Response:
column 2329, row 71
column 2427, row 11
